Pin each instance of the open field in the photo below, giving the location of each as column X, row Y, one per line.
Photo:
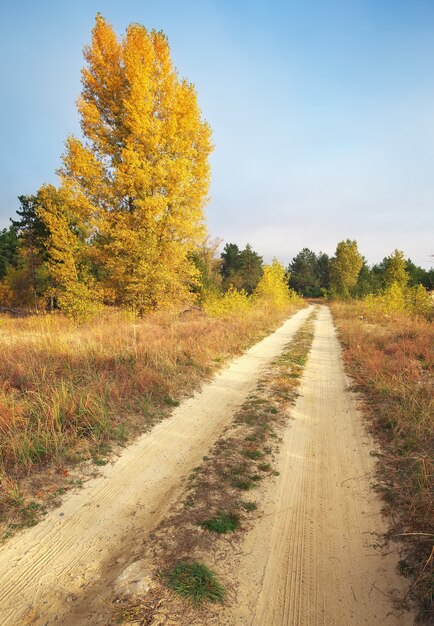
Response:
column 70, row 393
column 391, row 361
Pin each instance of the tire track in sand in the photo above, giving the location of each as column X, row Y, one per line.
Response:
column 311, row 559
column 69, row 549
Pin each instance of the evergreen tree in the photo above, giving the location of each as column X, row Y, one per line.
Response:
column 416, row 275
column 241, row 268
column 251, row 269
column 323, row 270
column 231, row 262
column 8, row 249
column 303, row 271
column 33, row 236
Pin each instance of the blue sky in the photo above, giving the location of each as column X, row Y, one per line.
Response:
column 322, row 111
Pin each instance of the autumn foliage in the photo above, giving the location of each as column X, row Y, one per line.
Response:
column 345, row 268
column 142, row 177
column 123, row 224
column 271, row 293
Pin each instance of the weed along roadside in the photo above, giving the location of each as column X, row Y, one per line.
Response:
column 78, row 551
column 222, row 499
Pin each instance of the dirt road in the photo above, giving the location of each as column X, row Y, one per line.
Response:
column 97, row 531
column 313, row 557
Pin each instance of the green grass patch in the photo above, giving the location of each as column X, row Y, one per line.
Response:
column 169, row 401
column 253, row 454
column 248, row 506
column 222, row 523
column 244, row 485
column 196, row 581
column 264, row 467
column 97, row 461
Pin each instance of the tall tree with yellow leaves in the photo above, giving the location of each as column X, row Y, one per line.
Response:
column 71, row 284
column 141, row 174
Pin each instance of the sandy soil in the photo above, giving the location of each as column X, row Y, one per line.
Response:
column 313, row 558
column 97, row 532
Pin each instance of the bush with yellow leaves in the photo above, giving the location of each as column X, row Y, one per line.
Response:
column 232, row 302
column 272, row 290
column 400, row 300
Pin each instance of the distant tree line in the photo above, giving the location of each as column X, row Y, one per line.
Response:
column 25, row 280
column 348, row 273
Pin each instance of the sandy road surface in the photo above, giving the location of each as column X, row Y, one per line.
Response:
column 46, row 565
column 311, row 559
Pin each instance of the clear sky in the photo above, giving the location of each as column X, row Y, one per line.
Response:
column 322, row 111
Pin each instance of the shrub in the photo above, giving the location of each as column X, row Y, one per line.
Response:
column 419, row 301
column 272, row 289
column 400, row 300
column 222, row 523
column 232, row 302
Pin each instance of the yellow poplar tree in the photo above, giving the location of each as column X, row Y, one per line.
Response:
column 71, row 284
column 396, row 270
column 142, row 171
column 345, row 268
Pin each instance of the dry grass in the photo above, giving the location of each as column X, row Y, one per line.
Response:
column 68, row 392
column 391, row 362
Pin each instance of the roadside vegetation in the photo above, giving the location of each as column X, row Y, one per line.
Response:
column 223, row 496
column 70, row 393
column 388, row 343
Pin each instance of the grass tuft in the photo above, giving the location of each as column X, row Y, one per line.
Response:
column 248, row 506
column 222, row 523
column 194, row 580
column 253, row 454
